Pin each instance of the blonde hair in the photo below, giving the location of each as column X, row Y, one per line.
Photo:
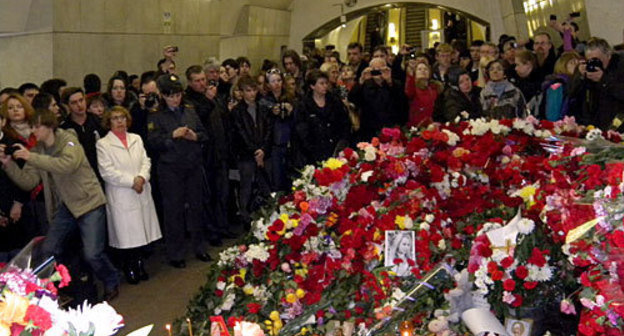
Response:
column 328, row 66
column 108, row 114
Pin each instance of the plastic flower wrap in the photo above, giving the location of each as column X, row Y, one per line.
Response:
column 29, row 305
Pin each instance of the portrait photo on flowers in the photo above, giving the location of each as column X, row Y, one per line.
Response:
column 518, row 327
column 400, row 253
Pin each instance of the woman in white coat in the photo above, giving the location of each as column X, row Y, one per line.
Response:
column 131, row 215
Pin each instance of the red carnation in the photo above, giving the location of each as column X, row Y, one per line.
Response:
column 509, row 285
column 219, row 293
column 517, row 301
column 522, row 272
column 507, row 262
column 253, row 307
column 65, row 277
column 537, row 258
column 239, row 281
column 39, row 317
column 497, row 275
column 484, row 251
column 530, row 285
column 492, row 267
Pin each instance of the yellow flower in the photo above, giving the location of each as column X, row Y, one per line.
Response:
column 13, row 308
column 376, row 235
column 274, row 316
column 301, row 272
column 591, row 127
column 291, row 298
column 348, row 232
column 304, row 331
column 248, row 289
column 333, row 164
column 300, row 293
column 527, row 194
column 400, row 222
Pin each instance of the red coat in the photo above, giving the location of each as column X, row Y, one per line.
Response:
column 422, row 101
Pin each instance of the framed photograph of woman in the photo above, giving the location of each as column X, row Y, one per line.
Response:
column 518, row 327
column 400, row 247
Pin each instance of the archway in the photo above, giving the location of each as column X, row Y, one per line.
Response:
column 415, row 23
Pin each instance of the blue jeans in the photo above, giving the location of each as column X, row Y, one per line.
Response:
column 92, row 226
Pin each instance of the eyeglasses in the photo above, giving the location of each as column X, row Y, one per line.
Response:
column 119, row 118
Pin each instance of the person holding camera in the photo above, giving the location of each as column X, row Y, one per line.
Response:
column 73, row 196
column 176, row 134
column 12, row 234
column 598, row 85
column 380, row 99
column 281, row 105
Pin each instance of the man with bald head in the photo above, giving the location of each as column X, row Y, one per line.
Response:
column 380, row 100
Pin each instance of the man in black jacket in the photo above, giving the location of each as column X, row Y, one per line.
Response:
column 599, row 87
column 87, row 126
column 380, row 99
column 203, row 96
column 253, row 133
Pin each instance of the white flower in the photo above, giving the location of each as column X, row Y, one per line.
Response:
column 397, row 294
column 525, row 226
column 260, row 293
column 227, row 256
column 408, row 223
column 228, row 302
column 370, row 153
column 221, row 285
column 429, row 218
column 594, row 134
column 539, row 274
column 424, row 226
column 366, row 175
column 442, row 244
column 453, row 138
column 103, row 317
column 257, row 251
column 543, row 134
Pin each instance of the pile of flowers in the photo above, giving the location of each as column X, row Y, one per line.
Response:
column 29, row 306
column 318, row 254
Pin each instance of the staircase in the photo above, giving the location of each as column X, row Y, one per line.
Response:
column 415, row 22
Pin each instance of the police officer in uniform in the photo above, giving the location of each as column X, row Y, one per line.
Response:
column 177, row 135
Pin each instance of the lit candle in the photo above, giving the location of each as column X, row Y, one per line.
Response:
column 168, row 327
column 190, row 326
column 406, row 329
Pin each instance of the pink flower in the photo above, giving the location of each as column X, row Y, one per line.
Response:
column 567, row 307
column 508, row 297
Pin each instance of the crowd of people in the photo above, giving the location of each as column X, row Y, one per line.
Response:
column 111, row 172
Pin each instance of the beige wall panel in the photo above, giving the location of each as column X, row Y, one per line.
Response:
column 605, row 19
column 26, row 58
column 78, row 54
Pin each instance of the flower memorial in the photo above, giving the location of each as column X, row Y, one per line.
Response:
column 29, row 306
column 318, row 254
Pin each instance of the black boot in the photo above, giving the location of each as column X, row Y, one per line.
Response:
column 131, row 274
column 141, row 270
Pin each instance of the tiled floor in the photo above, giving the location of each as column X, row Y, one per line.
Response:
column 164, row 297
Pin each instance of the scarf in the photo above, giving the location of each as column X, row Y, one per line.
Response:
column 122, row 137
column 499, row 87
column 23, row 129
